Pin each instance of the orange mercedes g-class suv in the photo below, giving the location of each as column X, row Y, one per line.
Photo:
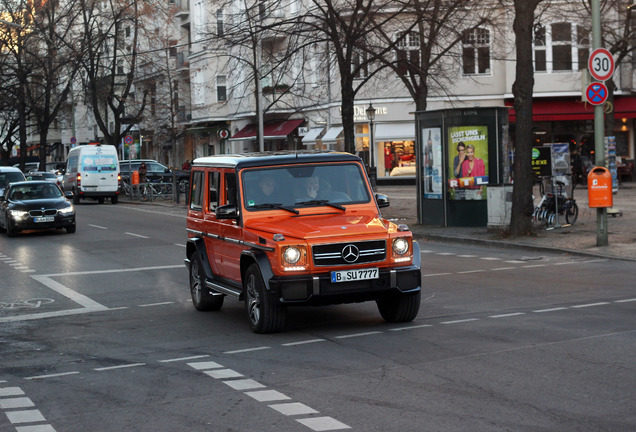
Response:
column 295, row 228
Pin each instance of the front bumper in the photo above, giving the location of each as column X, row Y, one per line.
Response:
column 60, row 221
column 319, row 290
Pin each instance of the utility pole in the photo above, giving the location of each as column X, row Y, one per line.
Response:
column 599, row 129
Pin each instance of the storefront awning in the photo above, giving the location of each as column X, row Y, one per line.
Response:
column 332, row 135
column 551, row 109
column 271, row 130
column 394, row 132
column 311, row 136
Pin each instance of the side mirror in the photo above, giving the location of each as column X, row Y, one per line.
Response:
column 68, row 194
column 228, row 211
column 382, row 200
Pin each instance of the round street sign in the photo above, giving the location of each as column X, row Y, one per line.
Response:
column 73, row 140
column 128, row 139
column 601, row 64
column 596, row 93
column 223, row 133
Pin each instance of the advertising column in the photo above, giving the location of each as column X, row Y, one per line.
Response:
column 432, row 163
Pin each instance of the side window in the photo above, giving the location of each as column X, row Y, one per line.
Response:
column 213, row 190
column 196, row 191
column 230, row 189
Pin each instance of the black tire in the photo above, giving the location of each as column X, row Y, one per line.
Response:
column 399, row 307
column 114, row 199
column 201, row 298
column 11, row 230
column 71, row 229
column 264, row 313
column 572, row 213
column 100, row 200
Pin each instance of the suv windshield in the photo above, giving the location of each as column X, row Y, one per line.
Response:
column 304, row 185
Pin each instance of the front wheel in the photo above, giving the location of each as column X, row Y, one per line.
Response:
column 572, row 213
column 71, row 229
column 265, row 314
column 11, row 229
column 399, row 307
column 202, row 299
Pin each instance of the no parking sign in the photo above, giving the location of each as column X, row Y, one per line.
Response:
column 596, row 93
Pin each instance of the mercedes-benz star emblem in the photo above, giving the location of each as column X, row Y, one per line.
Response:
column 350, row 253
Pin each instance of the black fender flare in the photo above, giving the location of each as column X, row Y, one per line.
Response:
column 260, row 258
column 196, row 245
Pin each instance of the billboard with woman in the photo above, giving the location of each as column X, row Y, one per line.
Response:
column 468, row 162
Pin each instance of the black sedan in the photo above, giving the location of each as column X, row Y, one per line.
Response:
column 35, row 205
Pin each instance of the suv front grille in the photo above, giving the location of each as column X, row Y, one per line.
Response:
column 350, row 253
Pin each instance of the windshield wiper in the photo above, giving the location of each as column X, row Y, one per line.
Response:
column 275, row 206
column 322, row 202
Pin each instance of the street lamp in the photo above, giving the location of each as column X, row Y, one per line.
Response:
column 372, row 169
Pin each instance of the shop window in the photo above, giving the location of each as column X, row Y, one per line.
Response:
column 408, row 51
column 476, row 51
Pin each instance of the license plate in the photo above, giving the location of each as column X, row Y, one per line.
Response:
column 89, row 187
column 44, row 219
column 354, row 275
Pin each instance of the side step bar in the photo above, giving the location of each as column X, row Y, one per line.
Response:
column 223, row 289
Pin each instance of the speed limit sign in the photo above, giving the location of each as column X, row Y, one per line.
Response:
column 601, row 64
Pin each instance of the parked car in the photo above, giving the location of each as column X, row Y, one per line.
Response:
column 29, row 166
column 35, row 205
column 295, row 228
column 156, row 172
column 8, row 175
column 43, row 175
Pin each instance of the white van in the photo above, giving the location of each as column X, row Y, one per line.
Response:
column 92, row 171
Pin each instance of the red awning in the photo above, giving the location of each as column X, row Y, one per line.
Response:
column 271, row 130
column 551, row 109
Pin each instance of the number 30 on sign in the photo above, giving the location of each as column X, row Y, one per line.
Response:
column 601, row 64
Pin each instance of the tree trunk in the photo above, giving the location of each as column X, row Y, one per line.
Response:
column 522, row 205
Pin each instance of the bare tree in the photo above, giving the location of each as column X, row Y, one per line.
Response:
column 53, row 66
column 111, row 31
column 520, row 220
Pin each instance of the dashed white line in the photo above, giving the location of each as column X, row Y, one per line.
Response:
column 247, row 350
column 549, row 310
column 490, row 259
column 10, row 391
column 411, row 327
column 503, row 268
column 205, row 365
column 323, row 423
column 566, row 263
column 436, row 274
column 136, row 235
column 267, row 395
column 471, row 271
column 180, row 245
column 97, row 226
column 37, row 377
column 507, row 315
column 304, row 342
column 589, row 305
column 25, row 416
column 156, row 304
column 358, row 335
column 184, row 358
column 625, row 301
column 467, row 256
column 223, row 373
column 19, row 402
column 535, row 265
column 445, row 253
column 460, row 321
column 131, row 365
column 293, row 408
column 244, row 384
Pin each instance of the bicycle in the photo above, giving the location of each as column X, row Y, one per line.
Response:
column 151, row 191
column 553, row 205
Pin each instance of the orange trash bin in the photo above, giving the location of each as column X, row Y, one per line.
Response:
column 599, row 188
column 135, row 177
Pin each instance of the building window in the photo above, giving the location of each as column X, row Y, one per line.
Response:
column 219, row 23
column 359, row 65
column 561, row 47
column 408, row 51
column 120, row 67
column 476, row 51
column 221, row 88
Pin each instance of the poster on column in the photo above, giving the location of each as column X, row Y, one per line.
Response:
column 432, row 163
column 468, row 162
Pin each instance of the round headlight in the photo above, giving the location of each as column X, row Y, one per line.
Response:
column 400, row 246
column 291, row 255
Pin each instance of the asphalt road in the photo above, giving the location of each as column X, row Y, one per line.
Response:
column 97, row 332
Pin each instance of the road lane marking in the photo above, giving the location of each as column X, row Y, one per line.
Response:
column 358, row 335
column 223, row 373
column 304, row 342
column 137, row 235
column 180, row 245
column 121, row 270
column 184, row 358
column 244, row 384
column 625, row 301
column 37, row 377
column 411, row 327
column 471, row 271
column 507, row 315
column 10, row 391
column 25, row 416
column 18, row 402
column 78, row 298
column 589, row 305
column 460, row 321
column 247, row 350
column 550, row 310
column 293, row 409
column 267, row 395
column 323, row 423
column 205, row 365
column 97, row 226
column 156, row 304
column 436, row 274
column 490, row 259
column 504, row 268
column 108, row 368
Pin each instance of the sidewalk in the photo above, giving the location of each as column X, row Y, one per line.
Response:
column 580, row 238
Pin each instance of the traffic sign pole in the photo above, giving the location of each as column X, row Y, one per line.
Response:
column 599, row 129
